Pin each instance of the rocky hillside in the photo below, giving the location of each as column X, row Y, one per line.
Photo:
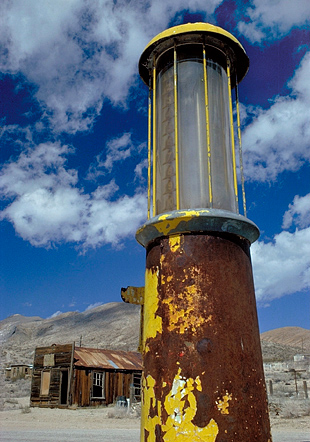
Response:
column 281, row 344
column 114, row 325
column 291, row 336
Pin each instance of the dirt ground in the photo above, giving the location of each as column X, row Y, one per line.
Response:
column 104, row 424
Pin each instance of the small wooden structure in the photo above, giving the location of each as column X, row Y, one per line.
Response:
column 65, row 375
column 18, row 371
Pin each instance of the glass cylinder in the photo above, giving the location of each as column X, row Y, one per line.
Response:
column 182, row 171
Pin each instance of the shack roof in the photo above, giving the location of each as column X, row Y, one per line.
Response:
column 107, row 359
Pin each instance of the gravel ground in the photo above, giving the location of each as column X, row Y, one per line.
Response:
column 113, row 435
column 106, row 425
column 108, row 435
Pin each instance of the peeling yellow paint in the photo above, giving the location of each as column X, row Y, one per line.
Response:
column 174, row 242
column 181, row 406
column 152, row 322
column 165, row 226
column 167, row 223
column 183, row 214
column 149, row 402
column 223, row 404
column 183, row 312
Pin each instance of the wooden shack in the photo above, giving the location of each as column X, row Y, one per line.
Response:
column 65, row 375
column 18, row 371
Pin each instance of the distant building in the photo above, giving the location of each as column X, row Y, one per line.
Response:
column 65, row 375
column 302, row 362
column 301, row 357
column 18, row 371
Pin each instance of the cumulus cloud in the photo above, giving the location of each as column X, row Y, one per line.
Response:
column 77, row 53
column 140, row 168
column 298, row 213
column 46, row 206
column 282, row 266
column 278, row 138
column 54, row 315
column 117, row 149
column 91, row 306
column 267, row 19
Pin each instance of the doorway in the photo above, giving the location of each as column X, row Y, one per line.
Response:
column 64, row 387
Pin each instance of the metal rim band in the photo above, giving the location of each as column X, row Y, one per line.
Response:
column 203, row 33
column 197, row 220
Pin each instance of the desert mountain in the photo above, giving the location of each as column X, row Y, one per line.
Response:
column 113, row 326
column 292, row 336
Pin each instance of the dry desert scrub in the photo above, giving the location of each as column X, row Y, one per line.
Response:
column 118, row 412
column 10, row 391
column 25, row 409
column 290, row 408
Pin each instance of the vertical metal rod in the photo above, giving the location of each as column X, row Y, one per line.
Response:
column 176, row 140
column 149, row 143
column 205, row 78
column 270, row 387
column 232, row 135
column 305, row 389
column 296, row 387
column 240, row 150
column 154, row 138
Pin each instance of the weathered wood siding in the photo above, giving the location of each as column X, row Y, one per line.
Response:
column 57, row 382
column 116, row 384
column 81, row 390
column 54, row 359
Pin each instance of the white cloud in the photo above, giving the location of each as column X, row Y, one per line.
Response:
column 278, row 138
column 27, row 304
column 116, row 150
column 298, row 212
column 273, row 19
column 140, row 167
column 91, row 306
column 78, row 53
column 112, row 221
column 46, row 206
column 282, row 266
column 54, row 315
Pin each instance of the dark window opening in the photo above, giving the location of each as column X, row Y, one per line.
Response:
column 98, row 385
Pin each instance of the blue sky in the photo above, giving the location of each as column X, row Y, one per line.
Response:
column 73, row 148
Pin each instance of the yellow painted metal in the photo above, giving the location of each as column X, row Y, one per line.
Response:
column 152, row 323
column 149, row 145
column 223, row 404
column 232, row 136
column 205, row 74
column 193, row 27
column 240, row 152
column 180, row 405
column 135, row 295
column 149, row 402
column 176, row 138
column 217, row 37
column 154, row 138
column 175, row 409
column 175, row 425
